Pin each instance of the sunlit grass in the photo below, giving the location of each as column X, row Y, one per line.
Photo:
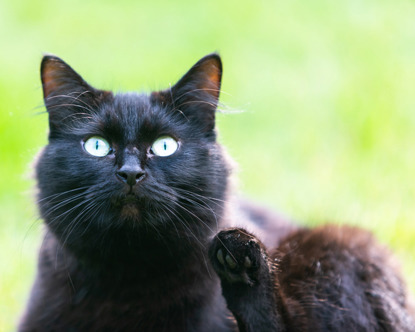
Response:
column 328, row 128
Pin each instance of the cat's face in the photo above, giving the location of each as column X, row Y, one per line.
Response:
column 131, row 160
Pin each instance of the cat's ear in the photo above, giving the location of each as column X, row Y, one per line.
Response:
column 67, row 96
column 196, row 94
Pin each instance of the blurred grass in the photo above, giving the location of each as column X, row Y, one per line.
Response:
column 328, row 128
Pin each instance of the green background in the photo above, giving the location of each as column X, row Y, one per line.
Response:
column 319, row 95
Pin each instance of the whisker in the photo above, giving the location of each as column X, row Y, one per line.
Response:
column 77, row 98
column 83, row 214
column 217, row 226
column 62, row 193
column 194, row 102
column 191, row 213
column 202, row 245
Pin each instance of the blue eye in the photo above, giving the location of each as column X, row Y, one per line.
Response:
column 97, row 146
column 164, row 146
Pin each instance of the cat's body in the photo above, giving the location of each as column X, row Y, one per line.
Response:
column 133, row 188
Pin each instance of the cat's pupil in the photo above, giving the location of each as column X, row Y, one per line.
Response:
column 165, row 145
column 96, row 144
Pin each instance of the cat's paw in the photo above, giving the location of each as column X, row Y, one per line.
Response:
column 237, row 256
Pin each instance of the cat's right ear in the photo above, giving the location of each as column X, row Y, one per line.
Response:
column 196, row 94
column 65, row 92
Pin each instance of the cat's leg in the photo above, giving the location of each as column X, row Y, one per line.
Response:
column 247, row 278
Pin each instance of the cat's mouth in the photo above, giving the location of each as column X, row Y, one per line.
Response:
column 129, row 199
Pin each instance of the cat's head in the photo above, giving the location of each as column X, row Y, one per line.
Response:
column 131, row 161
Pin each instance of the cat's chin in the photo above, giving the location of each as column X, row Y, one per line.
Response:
column 130, row 211
column 129, row 207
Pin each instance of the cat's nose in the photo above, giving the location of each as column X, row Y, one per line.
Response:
column 130, row 175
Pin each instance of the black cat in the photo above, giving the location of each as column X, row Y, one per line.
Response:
column 132, row 189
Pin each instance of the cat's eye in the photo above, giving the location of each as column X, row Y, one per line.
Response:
column 164, row 146
column 97, row 146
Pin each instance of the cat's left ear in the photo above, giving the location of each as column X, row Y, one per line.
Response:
column 67, row 96
column 196, row 94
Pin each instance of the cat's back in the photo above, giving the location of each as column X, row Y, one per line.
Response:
column 340, row 278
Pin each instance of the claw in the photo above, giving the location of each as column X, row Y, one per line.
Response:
column 248, row 262
column 219, row 256
column 232, row 264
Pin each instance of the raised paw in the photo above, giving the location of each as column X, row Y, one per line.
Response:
column 237, row 256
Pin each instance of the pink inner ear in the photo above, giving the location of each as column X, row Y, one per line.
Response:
column 213, row 75
column 50, row 74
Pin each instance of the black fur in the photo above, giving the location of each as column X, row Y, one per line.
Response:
column 127, row 234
